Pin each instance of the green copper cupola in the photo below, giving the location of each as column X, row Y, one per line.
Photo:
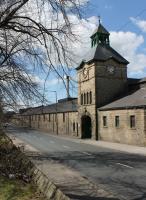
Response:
column 100, row 36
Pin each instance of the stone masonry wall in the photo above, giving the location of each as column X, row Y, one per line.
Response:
column 67, row 123
column 86, row 84
column 109, row 85
column 123, row 134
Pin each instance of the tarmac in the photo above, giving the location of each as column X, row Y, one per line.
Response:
column 70, row 182
column 132, row 149
column 118, row 147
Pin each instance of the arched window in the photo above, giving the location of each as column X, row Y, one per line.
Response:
column 87, row 98
column 81, row 99
column 90, row 97
column 84, row 98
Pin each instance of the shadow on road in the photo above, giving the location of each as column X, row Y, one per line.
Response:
column 123, row 181
column 143, row 197
column 101, row 166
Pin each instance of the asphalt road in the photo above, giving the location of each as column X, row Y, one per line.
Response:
column 122, row 173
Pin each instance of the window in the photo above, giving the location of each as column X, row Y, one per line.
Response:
column 81, row 99
column 63, row 117
column 87, row 97
column 104, row 121
column 117, row 121
column 74, row 126
column 77, row 128
column 132, row 121
column 84, row 98
column 90, row 97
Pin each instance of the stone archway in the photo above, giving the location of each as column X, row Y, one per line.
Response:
column 86, row 127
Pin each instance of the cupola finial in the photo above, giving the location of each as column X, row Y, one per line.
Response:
column 99, row 19
column 100, row 35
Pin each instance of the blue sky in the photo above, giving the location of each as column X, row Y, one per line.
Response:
column 115, row 13
column 126, row 21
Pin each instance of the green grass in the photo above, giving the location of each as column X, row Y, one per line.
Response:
column 4, row 140
column 13, row 189
column 17, row 190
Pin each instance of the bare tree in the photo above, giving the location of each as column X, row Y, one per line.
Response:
column 33, row 33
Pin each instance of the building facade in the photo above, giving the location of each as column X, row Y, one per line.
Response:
column 109, row 107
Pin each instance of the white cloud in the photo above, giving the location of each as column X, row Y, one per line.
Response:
column 48, row 82
column 54, row 81
column 140, row 23
column 83, row 29
column 55, row 20
column 127, row 44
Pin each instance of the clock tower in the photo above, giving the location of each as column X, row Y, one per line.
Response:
column 102, row 76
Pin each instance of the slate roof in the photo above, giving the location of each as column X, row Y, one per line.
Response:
column 65, row 106
column 101, row 29
column 143, row 80
column 102, row 52
column 133, row 81
column 132, row 100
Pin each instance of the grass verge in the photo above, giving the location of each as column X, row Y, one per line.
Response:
column 17, row 190
column 15, row 184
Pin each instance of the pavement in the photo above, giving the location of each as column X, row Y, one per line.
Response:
column 86, row 169
column 120, row 147
column 132, row 149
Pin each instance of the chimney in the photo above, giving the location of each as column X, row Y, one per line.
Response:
column 67, row 86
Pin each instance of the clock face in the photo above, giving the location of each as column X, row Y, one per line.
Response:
column 111, row 69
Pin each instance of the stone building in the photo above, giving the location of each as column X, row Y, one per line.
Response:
column 109, row 106
column 60, row 118
column 124, row 120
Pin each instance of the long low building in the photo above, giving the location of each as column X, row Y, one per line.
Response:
column 109, row 107
column 60, row 118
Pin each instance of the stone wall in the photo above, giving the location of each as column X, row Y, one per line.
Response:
column 124, row 133
column 109, row 84
column 86, row 84
column 105, row 86
column 67, row 123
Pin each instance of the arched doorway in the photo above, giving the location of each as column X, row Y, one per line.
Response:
column 86, row 127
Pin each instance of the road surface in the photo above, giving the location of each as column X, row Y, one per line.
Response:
column 121, row 173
